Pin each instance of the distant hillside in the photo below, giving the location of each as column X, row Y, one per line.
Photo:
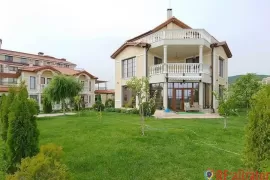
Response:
column 232, row 79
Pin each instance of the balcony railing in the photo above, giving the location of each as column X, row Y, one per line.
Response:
column 100, row 88
column 178, row 34
column 180, row 68
column 8, row 83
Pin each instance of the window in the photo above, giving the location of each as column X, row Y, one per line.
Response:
column 12, row 68
column 12, row 80
column 129, row 67
column 48, row 63
column 24, row 60
column 82, row 82
column 157, row 60
column 221, row 67
column 36, row 62
column 42, row 80
column 32, row 82
column 8, row 58
column 49, row 80
column 66, row 65
column 89, row 99
column 35, row 97
column 220, row 91
column 90, row 86
column 1, row 68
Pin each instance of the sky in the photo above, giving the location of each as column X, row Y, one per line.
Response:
column 87, row 32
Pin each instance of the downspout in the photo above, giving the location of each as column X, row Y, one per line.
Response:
column 146, row 59
column 212, row 76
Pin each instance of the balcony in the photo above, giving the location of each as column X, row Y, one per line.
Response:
column 8, row 83
column 180, row 71
column 178, row 35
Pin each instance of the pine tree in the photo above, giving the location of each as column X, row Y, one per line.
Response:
column 5, row 109
column 22, row 137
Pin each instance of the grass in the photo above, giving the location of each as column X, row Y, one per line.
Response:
column 112, row 147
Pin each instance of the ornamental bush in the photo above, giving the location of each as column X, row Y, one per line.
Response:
column 109, row 103
column 98, row 106
column 257, row 146
column 45, row 165
column 22, row 128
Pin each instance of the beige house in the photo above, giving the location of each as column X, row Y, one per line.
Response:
column 38, row 70
column 185, row 65
column 102, row 90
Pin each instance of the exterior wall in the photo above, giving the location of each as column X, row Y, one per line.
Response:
column 129, row 52
column 104, row 97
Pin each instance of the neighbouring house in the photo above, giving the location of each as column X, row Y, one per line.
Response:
column 38, row 70
column 266, row 80
column 184, row 65
column 102, row 90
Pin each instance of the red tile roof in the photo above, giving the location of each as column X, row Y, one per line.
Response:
column 109, row 91
column 3, row 89
column 65, row 71
column 33, row 56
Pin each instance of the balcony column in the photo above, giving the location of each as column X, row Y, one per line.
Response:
column 201, row 71
column 201, row 58
column 165, row 87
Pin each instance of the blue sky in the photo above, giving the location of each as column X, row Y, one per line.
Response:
column 87, row 32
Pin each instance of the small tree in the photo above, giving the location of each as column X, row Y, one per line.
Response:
column 226, row 105
column 61, row 88
column 5, row 109
column 257, row 145
column 140, row 87
column 22, row 137
column 244, row 88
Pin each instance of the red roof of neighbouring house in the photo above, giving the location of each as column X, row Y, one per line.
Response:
column 109, row 91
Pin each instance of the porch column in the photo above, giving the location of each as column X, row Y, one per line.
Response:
column 201, row 58
column 137, row 102
column 201, row 95
column 165, row 87
column 39, row 100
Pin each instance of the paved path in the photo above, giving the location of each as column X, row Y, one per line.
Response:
column 160, row 114
column 54, row 114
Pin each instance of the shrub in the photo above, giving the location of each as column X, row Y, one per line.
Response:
column 22, row 128
column 47, row 105
column 257, row 146
column 109, row 103
column 98, row 106
column 109, row 109
column 123, row 111
column 134, row 111
column 34, row 107
column 45, row 165
column 118, row 110
column 148, row 109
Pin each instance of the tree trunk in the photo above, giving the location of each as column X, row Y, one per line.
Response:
column 142, row 120
column 225, row 122
column 63, row 104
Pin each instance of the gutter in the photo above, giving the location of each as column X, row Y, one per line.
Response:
column 212, row 75
column 146, row 60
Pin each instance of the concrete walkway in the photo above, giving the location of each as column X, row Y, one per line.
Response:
column 54, row 114
column 160, row 114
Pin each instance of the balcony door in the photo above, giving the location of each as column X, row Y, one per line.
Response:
column 180, row 96
column 193, row 60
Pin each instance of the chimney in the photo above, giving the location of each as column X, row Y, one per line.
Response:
column 169, row 13
column 40, row 53
column 0, row 43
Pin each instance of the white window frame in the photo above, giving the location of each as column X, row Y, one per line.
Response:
column 134, row 65
column 32, row 77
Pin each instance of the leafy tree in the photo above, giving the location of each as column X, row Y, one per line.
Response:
column 46, row 104
column 5, row 109
column 257, row 146
column 140, row 87
column 227, row 105
column 109, row 103
column 61, row 88
column 22, row 136
column 44, row 166
column 244, row 88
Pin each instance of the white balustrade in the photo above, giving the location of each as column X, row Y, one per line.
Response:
column 177, row 34
column 180, row 68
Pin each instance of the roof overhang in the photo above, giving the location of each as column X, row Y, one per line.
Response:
column 125, row 45
column 225, row 47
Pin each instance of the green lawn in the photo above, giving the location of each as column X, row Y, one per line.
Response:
column 113, row 148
